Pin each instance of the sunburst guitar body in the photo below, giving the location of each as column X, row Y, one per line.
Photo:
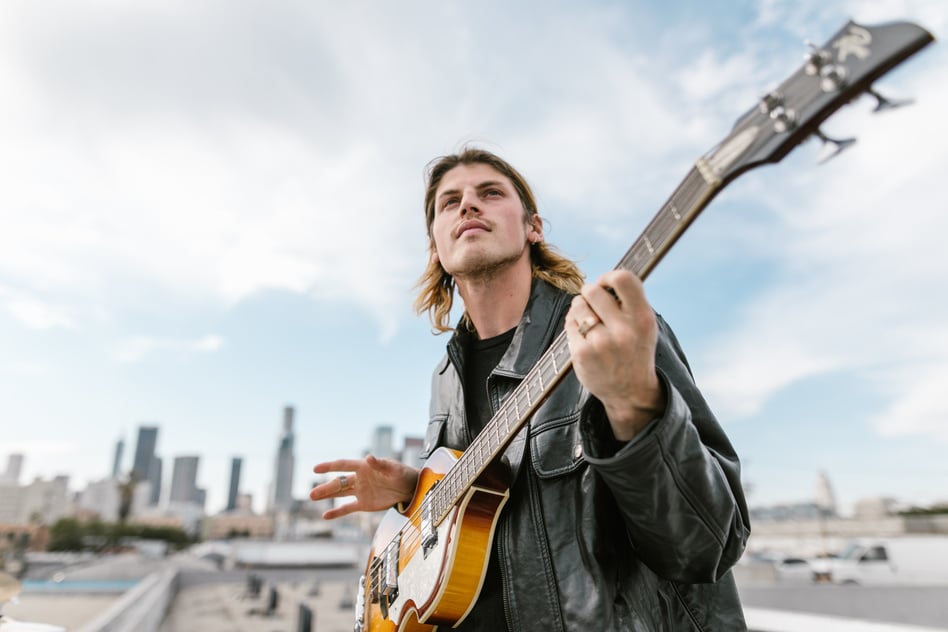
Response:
column 421, row 574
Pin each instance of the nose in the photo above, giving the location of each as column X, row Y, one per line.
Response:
column 469, row 202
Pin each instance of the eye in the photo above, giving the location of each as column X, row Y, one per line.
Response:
column 449, row 203
column 493, row 193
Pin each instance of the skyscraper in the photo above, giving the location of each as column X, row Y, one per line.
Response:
column 14, row 468
column 154, row 477
column 146, row 466
column 117, row 460
column 184, row 480
column 234, row 489
column 282, row 494
column 144, row 452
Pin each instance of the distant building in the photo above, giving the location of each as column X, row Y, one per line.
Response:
column 245, row 503
column 141, row 498
column 14, row 469
column 144, row 452
column 156, row 518
column 234, row 489
column 200, row 497
column 154, row 481
column 16, row 538
column 789, row 512
column 411, row 453
column 147, row 466
column 824, row 496
column 101, row 498
column 880, row 507
column 117, row 459
column 382, row 443
column 282, row 489
column 224, row 526
column 41, row 502
column 184, row 480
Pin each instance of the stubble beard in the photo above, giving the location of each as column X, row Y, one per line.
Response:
column 484, row 269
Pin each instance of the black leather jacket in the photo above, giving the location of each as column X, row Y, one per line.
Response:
column 597, row 539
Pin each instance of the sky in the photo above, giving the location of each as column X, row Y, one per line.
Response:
column 209, row 211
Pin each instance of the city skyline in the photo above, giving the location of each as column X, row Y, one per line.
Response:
column 816, row 494
column 184, row 483
column 193, row 239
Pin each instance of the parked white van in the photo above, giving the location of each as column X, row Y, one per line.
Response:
column 916, row 560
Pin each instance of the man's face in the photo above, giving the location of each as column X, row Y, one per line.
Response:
column 479, row 222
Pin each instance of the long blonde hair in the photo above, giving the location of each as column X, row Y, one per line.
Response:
column 436, row 286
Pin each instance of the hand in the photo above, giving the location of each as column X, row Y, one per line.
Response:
column 375, row 483
column 612, row 333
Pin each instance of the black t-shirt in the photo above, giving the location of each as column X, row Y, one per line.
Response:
column 482, row 357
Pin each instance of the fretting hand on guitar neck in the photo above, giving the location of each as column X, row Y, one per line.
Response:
column 575, row 479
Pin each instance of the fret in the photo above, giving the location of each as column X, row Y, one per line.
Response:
column 480, row 451
column 506, row 411
column 520, row 415
column 457, row 482
column 491, row 432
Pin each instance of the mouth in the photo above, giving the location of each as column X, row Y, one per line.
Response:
column 470, row 225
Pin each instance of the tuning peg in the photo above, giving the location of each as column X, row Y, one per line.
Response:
column 882, row 103
column 815, row 59
column 832, row 146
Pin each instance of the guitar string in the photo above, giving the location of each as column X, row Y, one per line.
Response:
column 659, row 230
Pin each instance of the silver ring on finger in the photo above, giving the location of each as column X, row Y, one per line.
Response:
column 587, row 324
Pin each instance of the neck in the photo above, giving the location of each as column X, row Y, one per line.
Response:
column 495, row 303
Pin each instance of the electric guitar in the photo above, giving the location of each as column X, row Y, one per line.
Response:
column 427, row 563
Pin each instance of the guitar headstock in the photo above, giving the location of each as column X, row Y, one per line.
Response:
column 830, row 77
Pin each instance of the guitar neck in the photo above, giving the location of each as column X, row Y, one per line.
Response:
column 689, row 199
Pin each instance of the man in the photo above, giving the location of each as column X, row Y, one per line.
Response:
column 626, row 510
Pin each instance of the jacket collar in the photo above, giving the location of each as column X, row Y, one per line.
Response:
column 541, row 321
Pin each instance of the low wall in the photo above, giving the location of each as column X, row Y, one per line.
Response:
column 141, row 609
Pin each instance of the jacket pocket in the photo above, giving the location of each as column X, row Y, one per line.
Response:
column 434, row 434
column 556, row 447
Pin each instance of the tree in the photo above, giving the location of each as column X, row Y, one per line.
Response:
column 65, row 535
column 126, row 496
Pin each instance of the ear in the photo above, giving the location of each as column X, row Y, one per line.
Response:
column 535, row 233
column 434, row 257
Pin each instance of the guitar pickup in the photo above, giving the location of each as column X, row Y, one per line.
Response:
column 387, row 590
column 429, row 534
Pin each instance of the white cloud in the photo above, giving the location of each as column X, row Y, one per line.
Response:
column 36, row 314
column 137, row 348
column 921, row 407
